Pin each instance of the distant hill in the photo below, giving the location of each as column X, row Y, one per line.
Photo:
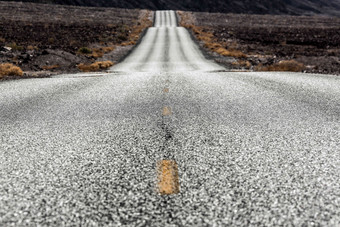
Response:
column 292, row 7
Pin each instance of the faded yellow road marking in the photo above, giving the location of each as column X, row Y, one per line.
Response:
column 166, row 90
column 166, row 111
column 168, row 180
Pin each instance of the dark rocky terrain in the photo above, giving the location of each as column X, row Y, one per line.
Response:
column 45, row 39
column 301, row 7
column 269, row 39
column 41, row 37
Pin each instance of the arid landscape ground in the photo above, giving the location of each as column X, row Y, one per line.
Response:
column 264, row 42
column 168, row 136
column 273, row 7
column 45, row 39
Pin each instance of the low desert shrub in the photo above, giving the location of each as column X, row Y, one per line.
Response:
column 104, row 64
column 212, row 45
column 14, row 46
column 241, row 63
column 30, row 47
column 99, row 52
column 88, row 68
column 8, row 69
column 95, row 66
column 231, row 53
column 128, row 43
column 108, row 49
column 284, row 66
column 85, row 50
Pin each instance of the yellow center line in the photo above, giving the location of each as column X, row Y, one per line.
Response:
column 166, row 111
column 168, row 179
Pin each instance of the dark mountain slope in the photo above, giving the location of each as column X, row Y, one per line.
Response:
column 293, row 7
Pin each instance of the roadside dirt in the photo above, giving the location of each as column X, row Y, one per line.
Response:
column 267, row 40
column 47, row 39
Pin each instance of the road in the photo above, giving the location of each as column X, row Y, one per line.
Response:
column 166, row 48
column 252, row 148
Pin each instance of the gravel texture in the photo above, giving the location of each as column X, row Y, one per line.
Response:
column 252, row 149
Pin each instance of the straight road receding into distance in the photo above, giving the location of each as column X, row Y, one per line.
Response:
column 168, row 139
column 166, row 48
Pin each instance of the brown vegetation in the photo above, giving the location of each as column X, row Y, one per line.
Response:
column 30, row 47
column 284, row 65
column 99, row 52
column 231, row 52
column 242, row 63
column 95, row 66
column 50, row 67
column 8, row 69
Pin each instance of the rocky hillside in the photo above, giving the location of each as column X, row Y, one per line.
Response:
column 301, row 7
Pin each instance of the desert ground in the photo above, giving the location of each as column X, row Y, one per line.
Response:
column 261, row 42
column 49, row 39
column 45, row 40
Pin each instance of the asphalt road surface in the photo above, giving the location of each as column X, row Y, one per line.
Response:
column 252, row 148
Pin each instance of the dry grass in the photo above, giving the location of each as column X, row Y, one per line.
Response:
column 96, row 52
column 8, row 69
column 30, row 47
column 99, row 52
column 129, row 43
column 50, row 67
column 230, row 53
column 284, row 66
column 242, row 63
column 210, row 41
column 95, row 66
column 108, row 49
column 213, row 46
